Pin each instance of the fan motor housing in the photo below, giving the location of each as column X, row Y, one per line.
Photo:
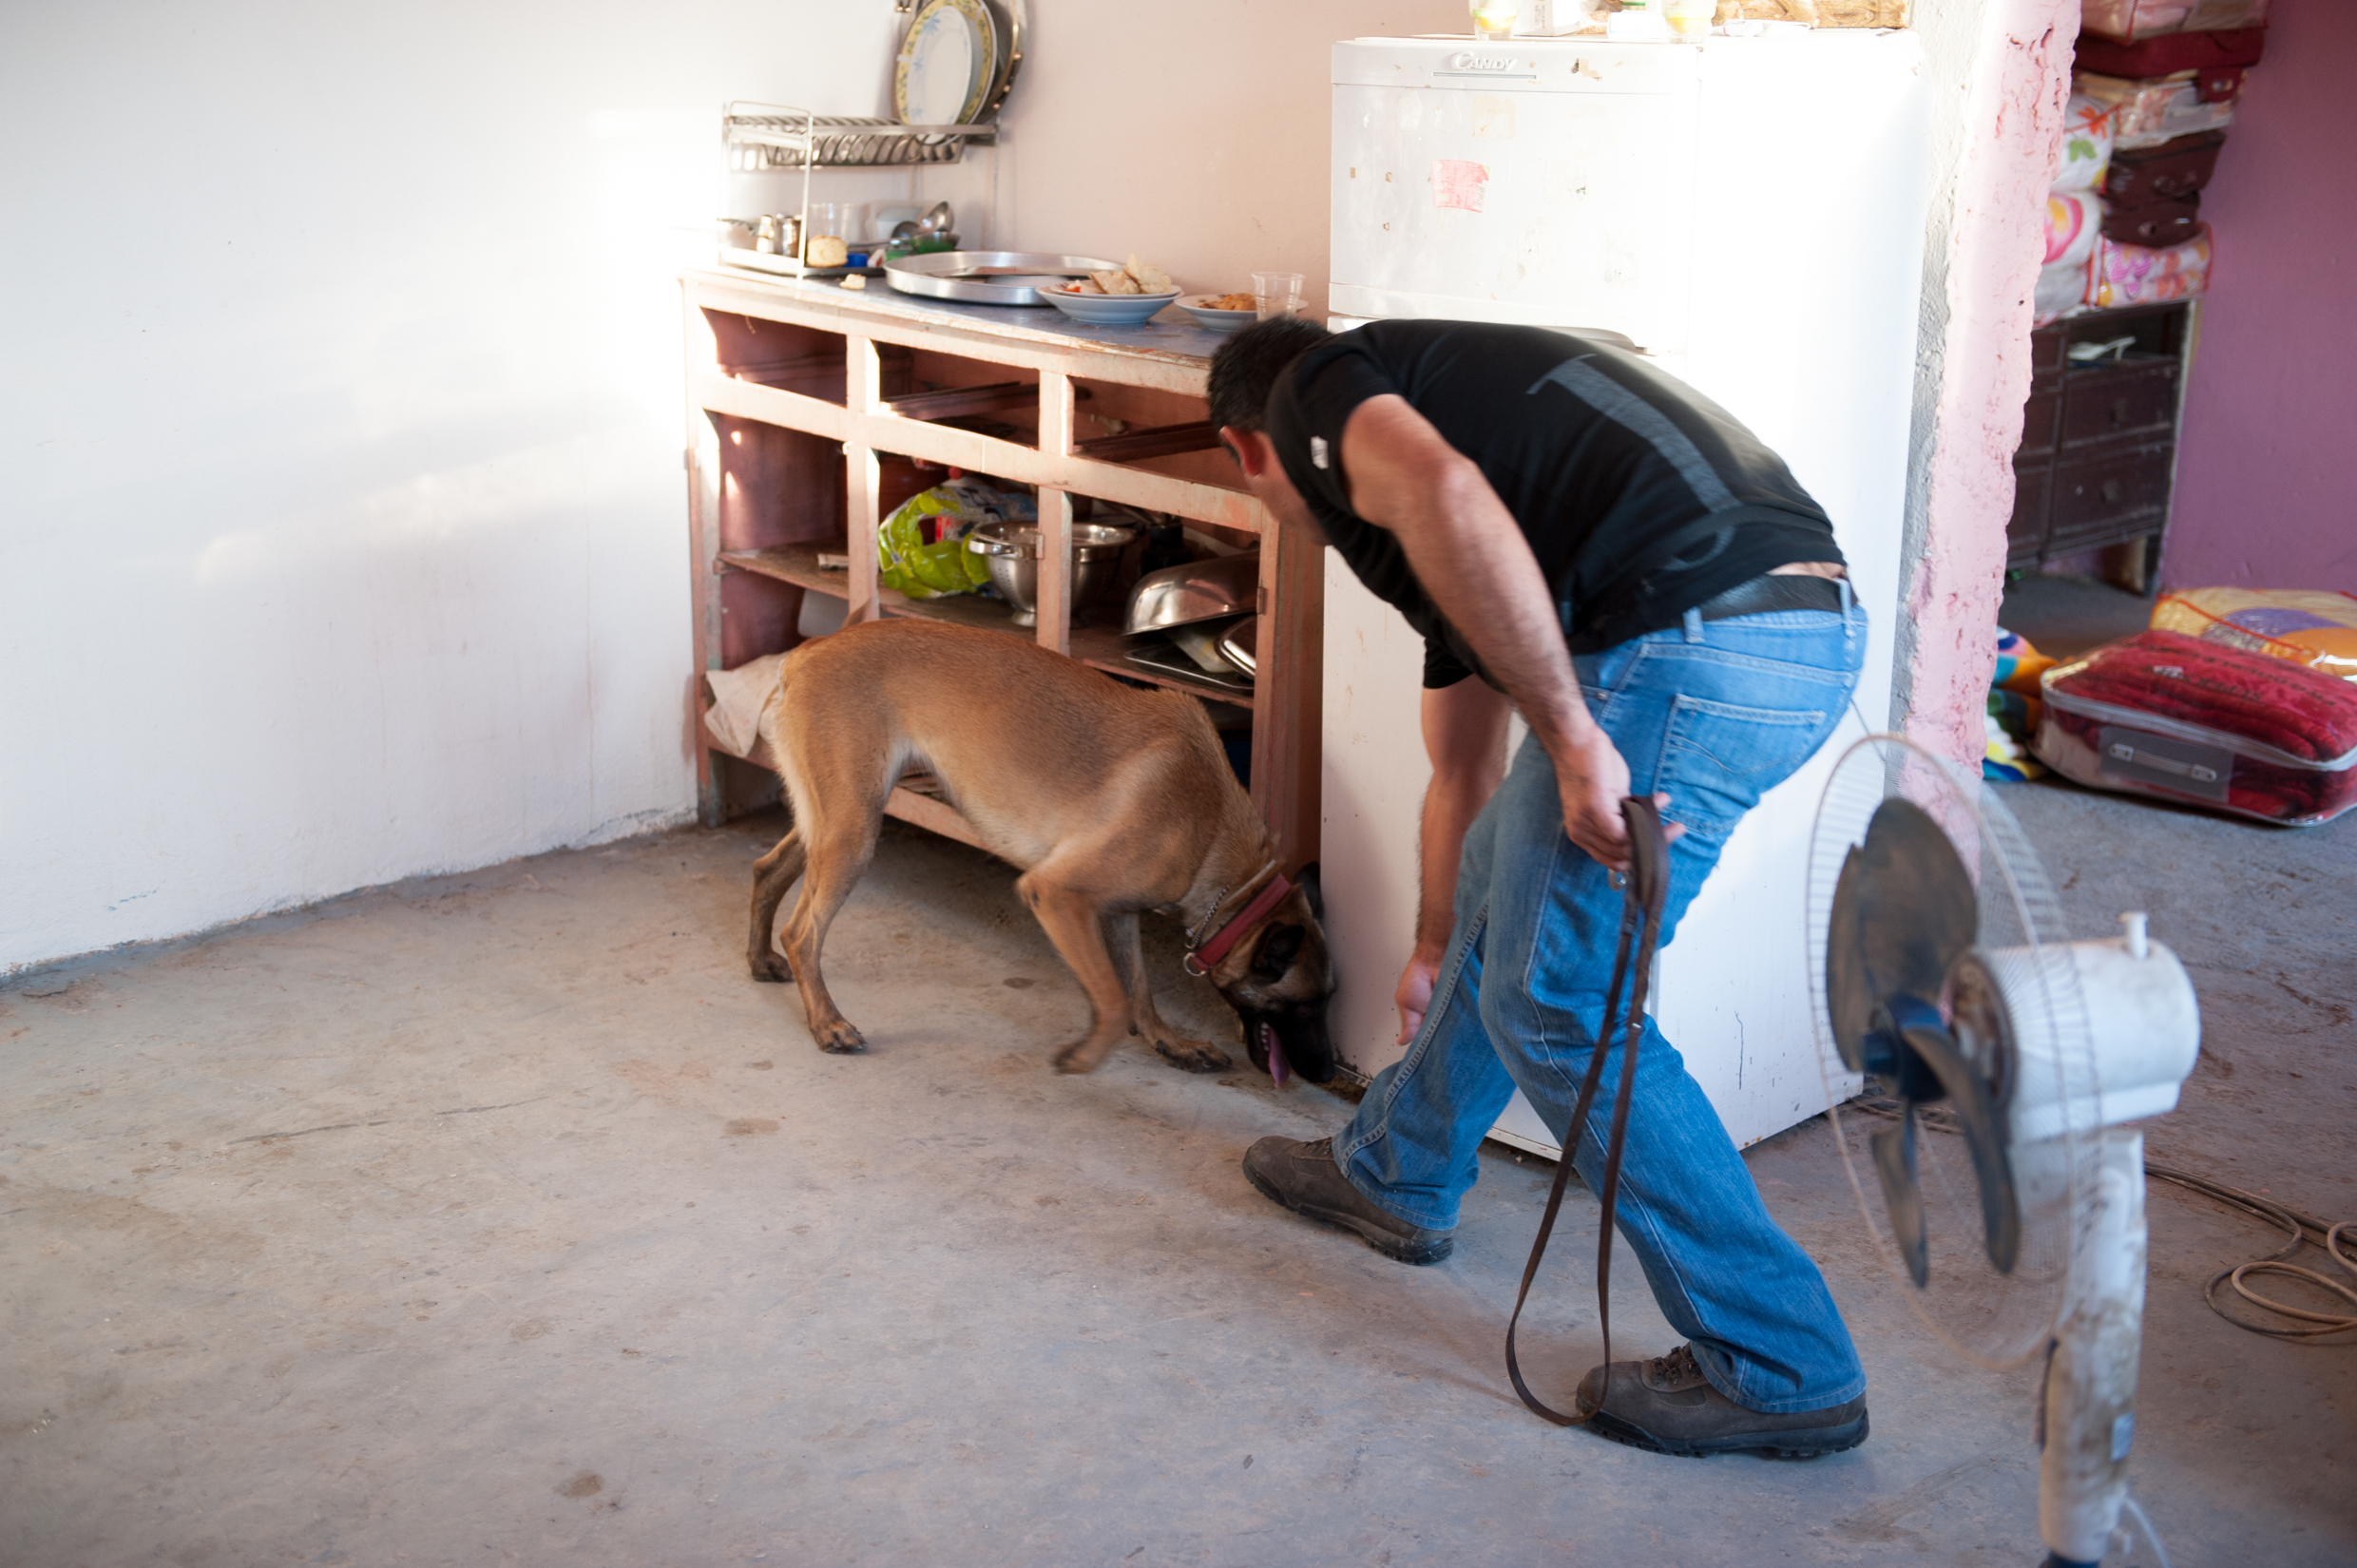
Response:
column 2142, row 1023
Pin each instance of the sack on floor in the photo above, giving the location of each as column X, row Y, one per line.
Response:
column 2312, row 627
column 2175, row 716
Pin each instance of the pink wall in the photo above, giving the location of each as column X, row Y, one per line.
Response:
column 2016, row 85
column 2267, row 495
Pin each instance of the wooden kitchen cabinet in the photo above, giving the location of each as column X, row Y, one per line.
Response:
column 2098, row 458
column 809, row 408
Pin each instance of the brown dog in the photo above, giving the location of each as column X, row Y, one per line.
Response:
column 1112, row 799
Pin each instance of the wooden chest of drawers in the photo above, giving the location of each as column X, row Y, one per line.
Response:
column 2099, row 438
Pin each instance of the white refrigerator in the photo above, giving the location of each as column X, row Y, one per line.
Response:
column 1749, row 212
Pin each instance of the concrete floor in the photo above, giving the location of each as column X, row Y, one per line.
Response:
column 500, row 1218
column 2063, row 615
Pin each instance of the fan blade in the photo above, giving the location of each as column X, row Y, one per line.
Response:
column 1916, row 908
column 1977, row 1116
column 1894, row 1161
column 1848, row 999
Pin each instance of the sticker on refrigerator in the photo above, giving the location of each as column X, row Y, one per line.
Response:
column 1459, row 183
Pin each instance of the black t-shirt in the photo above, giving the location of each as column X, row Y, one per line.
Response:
column 1640, row 497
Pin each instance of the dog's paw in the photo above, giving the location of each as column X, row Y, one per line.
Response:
column 1083, row 1056
column 1195, row 1056
column 841, row 1039
column 771, row 969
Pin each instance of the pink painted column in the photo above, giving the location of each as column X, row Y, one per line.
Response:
column 2019, row 84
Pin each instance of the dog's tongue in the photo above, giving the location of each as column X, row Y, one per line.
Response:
column 1279, row 1069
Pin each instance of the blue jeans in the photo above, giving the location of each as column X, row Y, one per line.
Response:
column 1713, row 712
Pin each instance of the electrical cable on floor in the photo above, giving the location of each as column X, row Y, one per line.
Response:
column 2150, row 1534
column 2304, row 1230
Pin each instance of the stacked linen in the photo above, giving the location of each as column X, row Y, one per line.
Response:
column 2166, row 77
column 2075, row 209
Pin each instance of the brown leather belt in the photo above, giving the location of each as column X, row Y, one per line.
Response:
column 1791, row 591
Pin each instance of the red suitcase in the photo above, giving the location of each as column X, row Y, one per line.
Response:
column 2164, row 714
column 2171, row 52
column 2158, row 225
column 2139, row 177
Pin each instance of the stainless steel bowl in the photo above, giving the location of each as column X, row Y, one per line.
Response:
column 1011, row 552
column 1199, row 590
column 1240, row 643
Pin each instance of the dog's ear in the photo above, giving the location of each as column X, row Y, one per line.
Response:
column 1277, row 950
column 1307, row 882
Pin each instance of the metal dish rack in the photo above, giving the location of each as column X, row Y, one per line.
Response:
column 764, row 136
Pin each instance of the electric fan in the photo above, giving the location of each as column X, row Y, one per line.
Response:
column 2007, row 1194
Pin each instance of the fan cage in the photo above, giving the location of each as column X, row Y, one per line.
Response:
column 1994, row 1320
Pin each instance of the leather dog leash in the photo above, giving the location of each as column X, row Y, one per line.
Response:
column 1641, row 928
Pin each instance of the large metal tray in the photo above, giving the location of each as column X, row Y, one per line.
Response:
column 988, row 277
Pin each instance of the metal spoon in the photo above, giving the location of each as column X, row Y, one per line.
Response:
column 936, row 221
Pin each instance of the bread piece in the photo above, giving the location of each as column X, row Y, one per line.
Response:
column 1151, row 278
column 1082, row 285
column 825, row 250
column 1115, row 281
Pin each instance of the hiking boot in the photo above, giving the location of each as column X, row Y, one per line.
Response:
column 1666, row 1406
column 1304, row 1178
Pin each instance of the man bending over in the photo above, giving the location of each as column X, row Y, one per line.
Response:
column 1581, row 538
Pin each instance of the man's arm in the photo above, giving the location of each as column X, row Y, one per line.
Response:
column 1471, row 557
column 1465, row 728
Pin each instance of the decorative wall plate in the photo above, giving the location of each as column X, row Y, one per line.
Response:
column 949, row 62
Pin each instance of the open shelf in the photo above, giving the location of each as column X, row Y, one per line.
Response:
column 821, row 410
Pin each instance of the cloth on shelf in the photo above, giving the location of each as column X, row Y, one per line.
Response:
column 2014, row 709
column 2086, row 143
column 2073, row 218
column 2312, row 627
column 2145, row 114
column 2061, row 289
column 2141, row 274
column 2130, row 21
column 738, row 720
column 2190, row 721
column 921, row 548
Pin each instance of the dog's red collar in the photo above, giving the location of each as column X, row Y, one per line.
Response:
column 1199, row 960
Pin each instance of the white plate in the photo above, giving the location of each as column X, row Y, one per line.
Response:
column 948, row 62
column 1216, row 320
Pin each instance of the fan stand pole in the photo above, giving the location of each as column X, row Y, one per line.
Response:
column 2089, row 1398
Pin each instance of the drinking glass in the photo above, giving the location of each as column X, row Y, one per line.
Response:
column 1276, row 292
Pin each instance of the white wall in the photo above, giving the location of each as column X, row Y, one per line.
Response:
column 339, row 422
column 339, row 436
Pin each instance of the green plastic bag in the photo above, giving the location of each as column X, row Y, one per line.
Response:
column 910, row 565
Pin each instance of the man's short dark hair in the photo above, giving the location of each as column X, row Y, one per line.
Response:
column 1246, row 369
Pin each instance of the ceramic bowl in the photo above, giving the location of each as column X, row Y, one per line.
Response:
column 1109, row 310
column 1215, row 320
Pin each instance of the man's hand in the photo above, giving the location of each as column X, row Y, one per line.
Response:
column 1414, row 996
column 1593, row 779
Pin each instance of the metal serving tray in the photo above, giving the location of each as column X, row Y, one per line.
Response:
column 988, row 278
